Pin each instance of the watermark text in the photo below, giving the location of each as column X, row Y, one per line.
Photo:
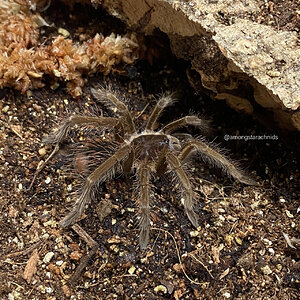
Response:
column 251, row 137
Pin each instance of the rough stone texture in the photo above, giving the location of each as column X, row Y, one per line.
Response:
column 238, row 60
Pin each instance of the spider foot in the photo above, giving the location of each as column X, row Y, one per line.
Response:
column 193, row 217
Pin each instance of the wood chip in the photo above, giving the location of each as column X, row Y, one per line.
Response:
column 66, row 290
column 115, row 240
column 225, row 273
column 12, row 212
column 76, row 255
column 30, row 268
column 216, row 254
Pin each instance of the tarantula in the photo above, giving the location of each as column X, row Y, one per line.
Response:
column 145, row 152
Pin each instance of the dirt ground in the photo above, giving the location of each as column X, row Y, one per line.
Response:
column 247, row 244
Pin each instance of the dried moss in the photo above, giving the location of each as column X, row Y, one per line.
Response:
column 24, row 62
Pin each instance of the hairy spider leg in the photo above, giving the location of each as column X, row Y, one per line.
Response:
column 60, row 135
column 185, row 121
column 143, row 179
column 175, row 164
column 128, row 162
column 111, row 100
column 98, row 175
column 214, row 157
column 161, row 165
column 156, row 112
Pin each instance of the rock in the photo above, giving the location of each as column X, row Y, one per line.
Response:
column 160, row 289
column 234, row 57
column 42, row 151
column 48, row 257
column 266, row 270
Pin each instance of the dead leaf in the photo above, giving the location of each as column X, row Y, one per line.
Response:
column 30, row 268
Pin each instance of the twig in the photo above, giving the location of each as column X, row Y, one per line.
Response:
column 41, row 167
column 202, row 264
column 23, row 252
column 141, row 112
column 84, row 261
column 179, row 258
column 16, row 132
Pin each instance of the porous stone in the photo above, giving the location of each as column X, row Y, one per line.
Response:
column 247, row 64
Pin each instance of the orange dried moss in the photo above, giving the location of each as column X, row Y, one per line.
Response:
column 23, row 68
column 96, row 55
column 18, row 30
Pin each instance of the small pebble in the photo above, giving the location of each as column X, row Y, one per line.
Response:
column 194, row 233
column 48, row 180
column 5, row 109
column 131, row 270
column 266, row 241
column 49, row 290
column 282, row 200
column 11, row 296
column 271, row 250
column 221, row 218
column 288, row 213
column 48, row 257
column 266, row 270
column 51, row 223
column 273, row 73
column 262, row 252
column 64, row 32
column 42, row 289
column 160, row 288
column 42, row 151
column 59, row 262
column 238, row 240
column 56, row 73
